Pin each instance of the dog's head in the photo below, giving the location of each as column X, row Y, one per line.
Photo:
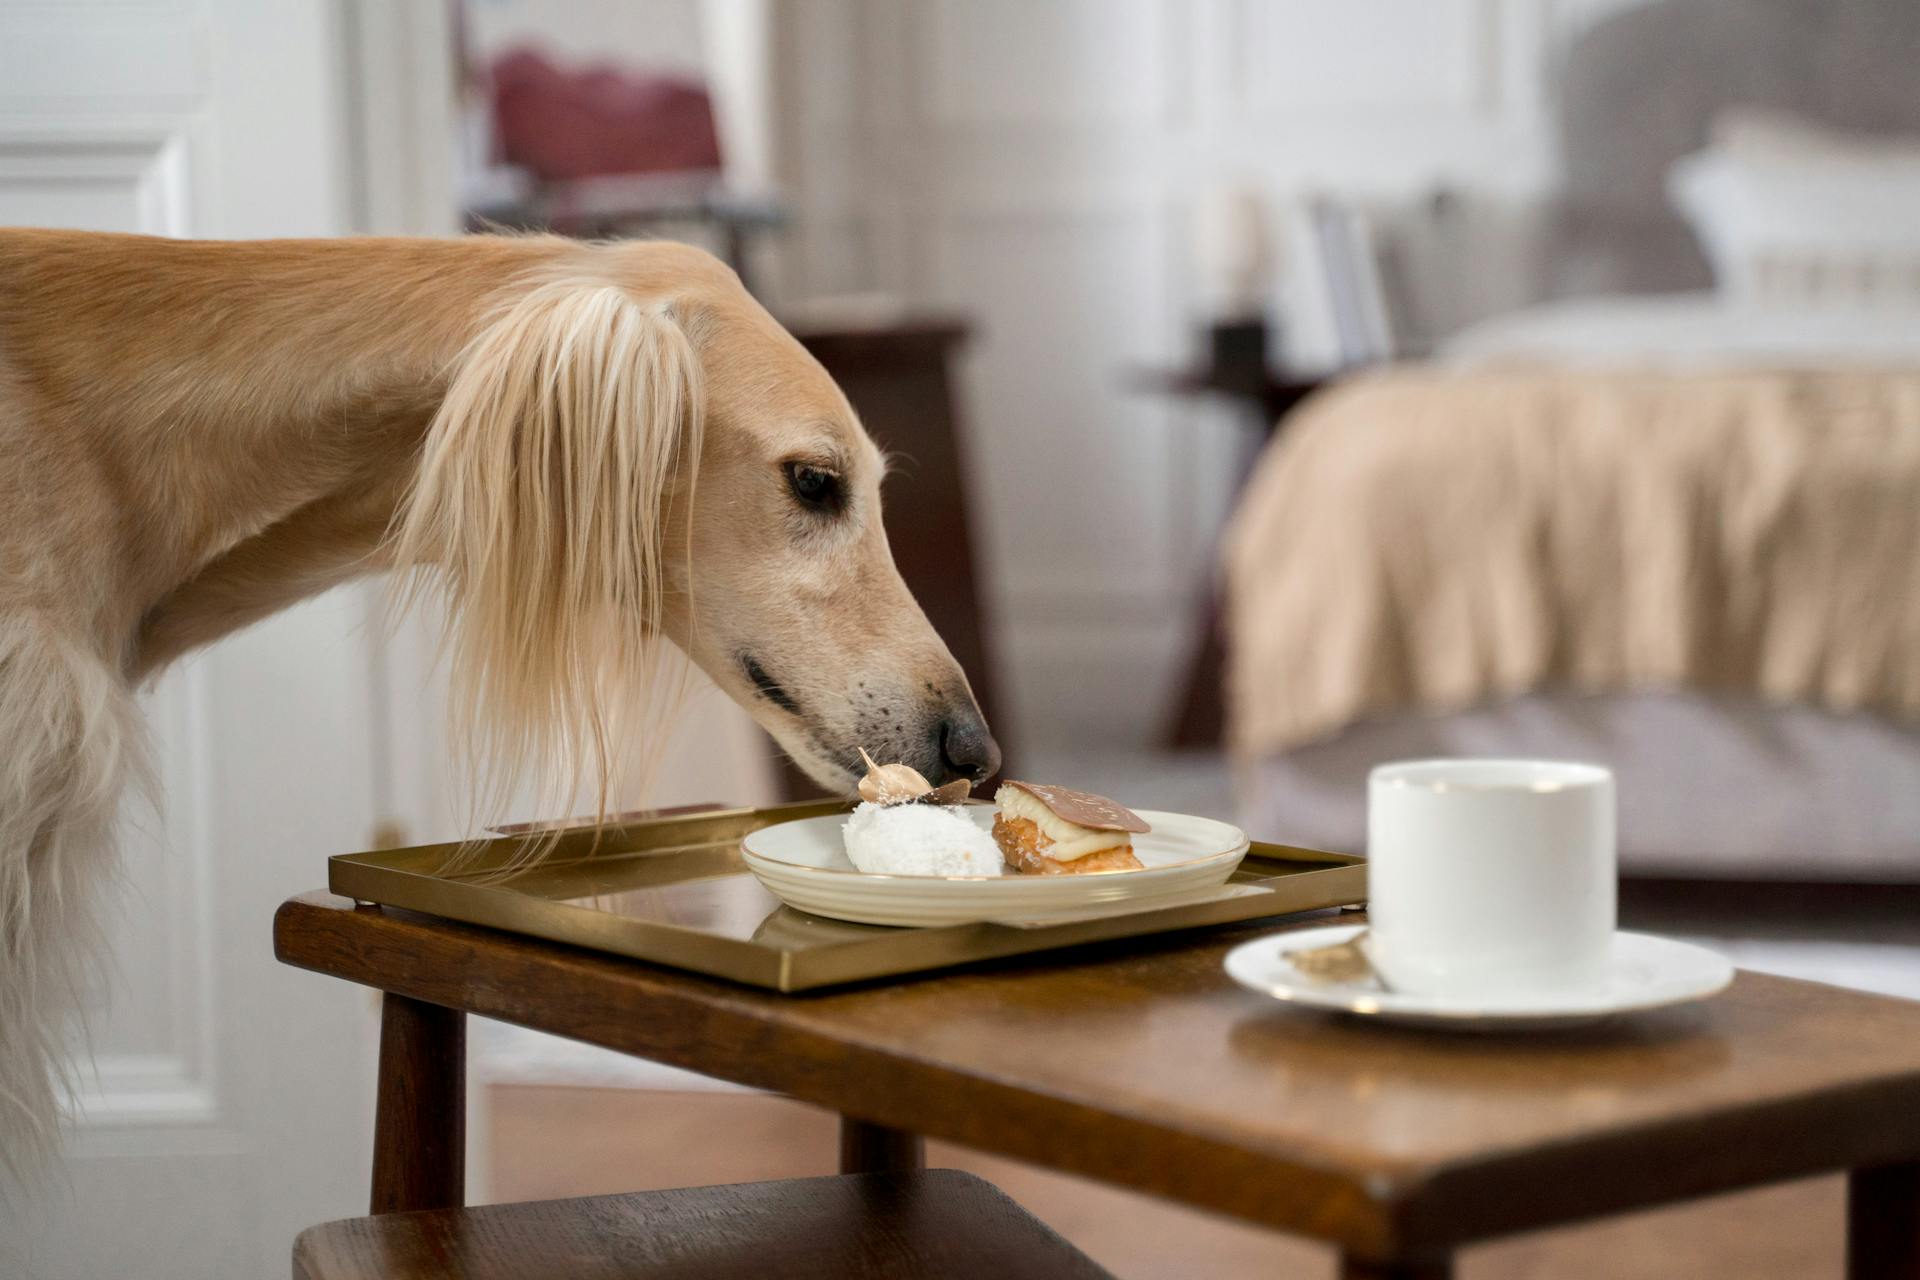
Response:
column 635, row 449
column 794, row 605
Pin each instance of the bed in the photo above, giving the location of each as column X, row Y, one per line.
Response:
column 1706, row 578
column 1675, row 533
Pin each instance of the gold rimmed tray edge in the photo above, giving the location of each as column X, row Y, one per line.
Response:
column 472, row 886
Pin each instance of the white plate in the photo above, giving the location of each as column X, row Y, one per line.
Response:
column 805, row 865
column 1644, row 972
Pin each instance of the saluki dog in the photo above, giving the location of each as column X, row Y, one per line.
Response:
column 587, row 449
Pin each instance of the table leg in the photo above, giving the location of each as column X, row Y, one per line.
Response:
column 1431, row 1269
column 875, row 1148
column 420, row 1125
column 1883, row 1222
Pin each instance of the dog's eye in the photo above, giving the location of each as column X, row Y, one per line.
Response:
column 814, row 487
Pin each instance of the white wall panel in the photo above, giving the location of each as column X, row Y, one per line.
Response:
column 1295, row 55
column 99, row 177
column 94, row 57
column 1070, row 468
column 999, row 62
column 153, row 1053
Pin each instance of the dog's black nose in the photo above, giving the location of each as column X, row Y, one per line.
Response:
column 967, row 750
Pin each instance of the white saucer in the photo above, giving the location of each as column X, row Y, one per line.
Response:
column 804, row 864
column 1644, row 972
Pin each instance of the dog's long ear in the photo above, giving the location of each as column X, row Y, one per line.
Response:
column 570, row 426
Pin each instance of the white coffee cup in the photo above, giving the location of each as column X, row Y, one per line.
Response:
column 1490, row 876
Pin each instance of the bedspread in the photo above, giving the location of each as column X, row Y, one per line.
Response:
column 1424, row 538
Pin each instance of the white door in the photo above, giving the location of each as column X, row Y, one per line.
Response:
column 232, row 1101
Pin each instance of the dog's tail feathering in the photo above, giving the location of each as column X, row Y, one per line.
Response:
column 572, row 423
column 69, row 742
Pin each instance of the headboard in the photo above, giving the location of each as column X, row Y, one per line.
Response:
column 1641, row 88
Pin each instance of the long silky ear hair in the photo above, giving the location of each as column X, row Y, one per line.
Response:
column 570, row 424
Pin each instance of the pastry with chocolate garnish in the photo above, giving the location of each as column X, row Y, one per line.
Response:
column 1048, row 831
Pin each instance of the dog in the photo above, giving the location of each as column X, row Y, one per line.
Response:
column 588, row 449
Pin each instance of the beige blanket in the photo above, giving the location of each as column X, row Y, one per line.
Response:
column 1426, row 539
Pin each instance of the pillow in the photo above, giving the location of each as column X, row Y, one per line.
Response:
column 1789, row 212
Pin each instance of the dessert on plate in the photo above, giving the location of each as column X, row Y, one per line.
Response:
column 1047, row 830
column 905, row 826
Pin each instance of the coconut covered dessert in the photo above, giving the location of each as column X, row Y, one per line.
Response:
column 919, row 840
column 904, row 826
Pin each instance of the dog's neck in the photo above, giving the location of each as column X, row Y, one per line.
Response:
column 259, row 427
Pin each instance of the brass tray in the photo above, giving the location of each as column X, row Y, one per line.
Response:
column 674, row 891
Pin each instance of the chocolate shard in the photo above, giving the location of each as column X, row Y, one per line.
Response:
column 1083, row 808
column 959, row 791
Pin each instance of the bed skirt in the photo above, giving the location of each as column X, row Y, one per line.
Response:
column 1709, row 787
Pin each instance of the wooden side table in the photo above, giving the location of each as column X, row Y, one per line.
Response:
column 1143, row 1066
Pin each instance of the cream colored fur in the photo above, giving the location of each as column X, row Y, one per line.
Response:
column 588, row 449
column 553, row 618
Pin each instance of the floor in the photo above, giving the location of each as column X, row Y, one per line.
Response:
column 551, row 1141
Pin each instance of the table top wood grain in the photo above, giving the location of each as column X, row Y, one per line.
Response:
column 1142, row 1065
